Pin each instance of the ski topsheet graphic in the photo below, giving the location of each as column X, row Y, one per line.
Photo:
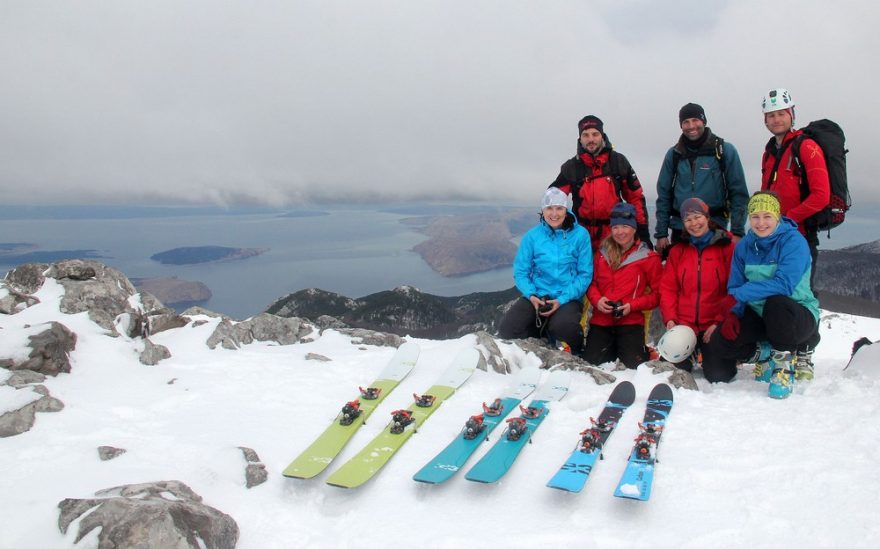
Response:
column 477, row 428
column 499, row 459
column 377, row 452
column 353, row 414
column 639, row 473
column 573, row 475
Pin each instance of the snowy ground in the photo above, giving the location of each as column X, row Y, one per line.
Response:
column 737, row 468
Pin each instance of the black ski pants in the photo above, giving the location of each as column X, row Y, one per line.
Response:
column 607, row 343
column 715, row 367
column 522, row 321
column 786, row 325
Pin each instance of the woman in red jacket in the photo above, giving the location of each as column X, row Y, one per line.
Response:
column 694, row 287
column 626, row 282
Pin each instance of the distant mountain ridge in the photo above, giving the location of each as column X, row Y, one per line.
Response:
column 852, row 272
column 848, row 281
column 404, row 310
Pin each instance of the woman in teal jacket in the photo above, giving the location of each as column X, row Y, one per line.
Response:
column 552, row 269
column 774, row 320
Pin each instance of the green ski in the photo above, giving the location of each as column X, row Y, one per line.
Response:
column 327, row 446
column 379, row 451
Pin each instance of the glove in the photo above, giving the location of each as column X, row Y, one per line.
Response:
column 730, row 327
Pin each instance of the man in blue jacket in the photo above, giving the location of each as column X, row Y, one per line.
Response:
column 704, row 166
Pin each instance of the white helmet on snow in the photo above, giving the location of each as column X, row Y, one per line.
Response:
column 777, row 100
column 678, row 343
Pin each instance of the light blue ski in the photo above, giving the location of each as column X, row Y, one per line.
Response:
column 477, row 429
column 575, row 472
column 499, row 459
column 639, row 473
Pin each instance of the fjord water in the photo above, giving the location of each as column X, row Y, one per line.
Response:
column 351, row 252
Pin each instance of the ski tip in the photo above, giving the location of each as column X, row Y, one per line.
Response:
column 301, row 477
column 623, row 393
column 661, row 391
column 346, row 486
column 480, row 480
column 563, row 488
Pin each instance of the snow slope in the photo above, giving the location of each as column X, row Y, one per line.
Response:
column 737, row 469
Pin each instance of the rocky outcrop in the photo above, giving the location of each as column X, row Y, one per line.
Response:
column 255, row 473
column 50, row 351
column 369, row 337
column 157, row 514
column 89, row 286
column 95, row 288
column 27, row 278
column 263, row 327
column 37, row 398
column 153, row 353
column 492, row 354
column 554, row 358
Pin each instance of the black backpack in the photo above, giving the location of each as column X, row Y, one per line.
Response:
column 830, row 138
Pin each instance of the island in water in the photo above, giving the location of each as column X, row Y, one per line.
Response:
column 19, row 253
column 173, row 291
column 460, row 245
column 192, row 255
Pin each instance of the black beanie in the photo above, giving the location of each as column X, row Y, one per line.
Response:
column 591, row 121
column 691, row 110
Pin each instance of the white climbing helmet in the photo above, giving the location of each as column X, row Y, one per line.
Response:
column 777, row 100
column 678, row 343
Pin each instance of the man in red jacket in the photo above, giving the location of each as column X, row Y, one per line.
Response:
column 598, row 177
column 781, row 174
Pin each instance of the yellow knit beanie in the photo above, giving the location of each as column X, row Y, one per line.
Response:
column 765, row 202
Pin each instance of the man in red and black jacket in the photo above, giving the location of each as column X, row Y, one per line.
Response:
column 782, row 174
column 597, row 178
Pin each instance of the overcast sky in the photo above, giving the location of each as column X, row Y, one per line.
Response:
column 286, row 103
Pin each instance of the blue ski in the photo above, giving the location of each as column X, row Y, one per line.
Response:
column 477, row 429
column 501, row 456
column 573, row 475
column 639, row 474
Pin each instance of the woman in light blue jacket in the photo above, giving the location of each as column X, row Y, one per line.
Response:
column 552, row 270
column 774, row 318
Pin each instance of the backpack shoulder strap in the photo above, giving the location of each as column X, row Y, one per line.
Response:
column 796, row 155
column 676, row 159
column 719, row 156
column 778, row 160
column 615, row 160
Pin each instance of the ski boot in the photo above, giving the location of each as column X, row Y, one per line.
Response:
column 803, row 366
column 473, row 427
column 763, row 367
column 782, row 379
